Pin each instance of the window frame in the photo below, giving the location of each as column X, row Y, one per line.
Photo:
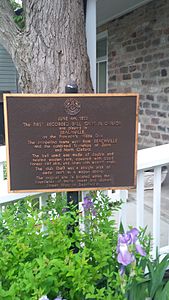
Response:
column 101, row 59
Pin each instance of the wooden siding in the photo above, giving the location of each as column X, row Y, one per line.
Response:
column 8, row 73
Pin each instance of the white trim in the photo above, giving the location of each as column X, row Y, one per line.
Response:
column 91, row 38
column 102, row 35
column 101, row 59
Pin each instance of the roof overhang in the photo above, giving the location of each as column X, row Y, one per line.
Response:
column 108, row 10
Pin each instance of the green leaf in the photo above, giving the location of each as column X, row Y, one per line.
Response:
column 162, row 292
column 157, row 274
column 138, row 291
column 121, row 228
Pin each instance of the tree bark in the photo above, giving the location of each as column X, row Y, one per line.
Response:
column 9, row 33
column 51, row 51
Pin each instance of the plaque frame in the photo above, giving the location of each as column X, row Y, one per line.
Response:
column 20, row 96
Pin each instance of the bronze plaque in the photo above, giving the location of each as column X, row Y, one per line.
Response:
column 71, row 142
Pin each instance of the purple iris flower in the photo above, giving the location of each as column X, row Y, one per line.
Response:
column 122, row 270
column 125, row 254
column 88, row 205
column 133, row 235
column 139, row 249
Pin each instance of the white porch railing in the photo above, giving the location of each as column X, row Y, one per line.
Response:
column 151, row 158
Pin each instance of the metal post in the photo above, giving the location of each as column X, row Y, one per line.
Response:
column 72, row 197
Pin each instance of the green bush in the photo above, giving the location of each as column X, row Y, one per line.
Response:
column 44, row 252
column 35, row 262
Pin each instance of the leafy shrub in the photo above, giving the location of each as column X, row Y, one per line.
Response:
column 45, row 252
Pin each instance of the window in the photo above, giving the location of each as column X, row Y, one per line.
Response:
column 101, row 63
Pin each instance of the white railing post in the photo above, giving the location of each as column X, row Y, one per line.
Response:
column 140, row 199
column 1, row 171
column 156, row 209
column 2, row 160
column 43, row 200
column 81, row 209
column 123, row 195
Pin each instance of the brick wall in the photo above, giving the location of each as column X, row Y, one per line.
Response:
column 138, row 61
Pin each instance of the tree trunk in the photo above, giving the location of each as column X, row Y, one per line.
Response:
column 51, row 52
